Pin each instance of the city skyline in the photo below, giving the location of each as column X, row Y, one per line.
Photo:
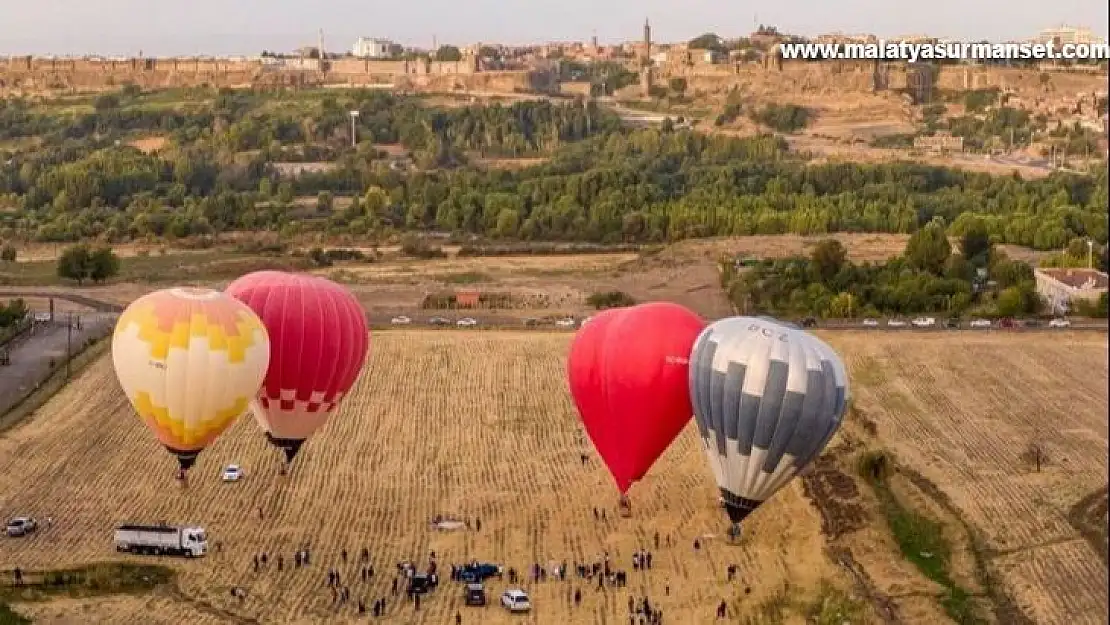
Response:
column 246, row 27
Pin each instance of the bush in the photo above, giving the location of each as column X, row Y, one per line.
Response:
column 417, row 247
column 610, row 299
column 783, row 117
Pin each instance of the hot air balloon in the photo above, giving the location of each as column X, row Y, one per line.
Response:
column 318, row 342
column 628, row 373
column 767, row 398
column 190, row 361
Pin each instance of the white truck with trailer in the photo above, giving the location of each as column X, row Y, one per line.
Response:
column 159, row 540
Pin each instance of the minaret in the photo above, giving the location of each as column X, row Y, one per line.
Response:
column 647, row 38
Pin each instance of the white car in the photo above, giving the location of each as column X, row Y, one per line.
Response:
column 979, row 323
column 232, row 473
column 585, row 321
column 924, row 322
column 466, row 322
column 565, row 323
column 870, row 323
column 895, row 323
column 516, row 600
column 1059, row 323
column 42, row 317
column 400, row 321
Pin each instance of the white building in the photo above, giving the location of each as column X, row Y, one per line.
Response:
column 1061, row 287
column 372, row 48
column 1063, row 35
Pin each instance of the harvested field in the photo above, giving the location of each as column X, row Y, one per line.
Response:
column 466, row 425
column 964, row 411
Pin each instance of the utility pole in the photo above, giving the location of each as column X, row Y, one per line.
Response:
column 1090, row 254
column 69, row 342
column 354, row 132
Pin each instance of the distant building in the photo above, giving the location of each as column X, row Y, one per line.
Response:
column 1062, row 35
column 940, row 143
column 1061, row 287
column 372, row 48
column 467, row 298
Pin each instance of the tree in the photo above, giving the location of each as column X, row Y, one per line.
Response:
column 828, row 258
column 708, row 41
column 448, row 53
column 975, row 244
column 678, row 85
column 103, row 264
column 928, row 249
column 75, row 263
column 8, row 253
column 1035, row 454
column 80, row 263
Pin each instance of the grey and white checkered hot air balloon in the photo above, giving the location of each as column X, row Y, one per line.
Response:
column 767, row 398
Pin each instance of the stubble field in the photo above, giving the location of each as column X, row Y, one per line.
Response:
column 479, row 425
column 465, row 425
column 964, row 412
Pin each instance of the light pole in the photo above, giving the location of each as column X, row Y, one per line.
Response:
column 1090, row 254
column 354, row 137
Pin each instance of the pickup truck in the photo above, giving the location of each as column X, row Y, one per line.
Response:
column 158, row 540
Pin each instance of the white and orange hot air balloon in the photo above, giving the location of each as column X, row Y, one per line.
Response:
column 190, row 361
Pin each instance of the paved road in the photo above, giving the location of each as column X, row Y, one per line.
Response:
column 31, row 355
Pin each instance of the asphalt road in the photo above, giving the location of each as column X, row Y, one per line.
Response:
column 31, row 354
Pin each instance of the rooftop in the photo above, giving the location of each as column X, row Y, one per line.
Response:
column 1078, row 278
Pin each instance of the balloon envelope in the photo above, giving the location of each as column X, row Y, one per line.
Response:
column 190, row 361
column 767, row 398
column 628, row 373
column 318, row 342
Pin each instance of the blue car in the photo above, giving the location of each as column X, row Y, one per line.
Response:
column 478, row 573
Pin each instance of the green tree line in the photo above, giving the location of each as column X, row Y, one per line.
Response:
column 929, row 277
column 602, row 183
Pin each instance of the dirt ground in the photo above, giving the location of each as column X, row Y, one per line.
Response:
column 967, row 429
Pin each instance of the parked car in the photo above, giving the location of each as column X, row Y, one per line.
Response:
column 585, row 321
column 952, row 323
column 531, row 322
column 476, row 573
column 1059, row 323
column 42, row 317
column 1007, row 323
column 22, row 526
column 870, row 323
column 475, row 595
column 439, row 321
column 421, row 583
column 466, row 322
column 565, row 323
column 400, row 321
column 1031, row 323
column 924, row 322
column 232, row 473
column 979, row 323
column 895, row 323
column 516, row 600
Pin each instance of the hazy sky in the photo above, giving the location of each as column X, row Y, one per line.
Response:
column 185, row 27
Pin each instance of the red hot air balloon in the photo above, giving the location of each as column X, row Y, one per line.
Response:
column 629, row 374
column 319, row 341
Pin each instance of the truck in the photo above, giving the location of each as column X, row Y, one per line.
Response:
column 159, row 540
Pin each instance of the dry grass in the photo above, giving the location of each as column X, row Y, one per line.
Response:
column 149, row 145
column 425, row 432
column 428, row 432
column 965, row 425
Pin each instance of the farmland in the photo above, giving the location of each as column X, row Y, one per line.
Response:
column 426, row 433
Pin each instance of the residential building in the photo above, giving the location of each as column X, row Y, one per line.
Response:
column 940, row 143
column 372, row 48
column 1061, row 287
column 1068, row 34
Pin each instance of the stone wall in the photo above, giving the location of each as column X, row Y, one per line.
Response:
column 36, row 75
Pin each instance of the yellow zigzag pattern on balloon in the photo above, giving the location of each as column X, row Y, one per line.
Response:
column 185, row 325
column 173, row 431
